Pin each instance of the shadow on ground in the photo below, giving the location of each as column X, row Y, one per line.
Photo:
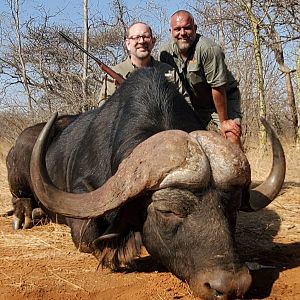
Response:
column 255, row 234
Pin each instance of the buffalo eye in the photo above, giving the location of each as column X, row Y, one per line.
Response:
column 173, row 204
column 167, row 220
column 171, row 214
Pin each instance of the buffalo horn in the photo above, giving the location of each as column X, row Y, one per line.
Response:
column 169, row 158
column 265, row 193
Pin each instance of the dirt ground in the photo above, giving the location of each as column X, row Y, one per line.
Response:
column 42, row 263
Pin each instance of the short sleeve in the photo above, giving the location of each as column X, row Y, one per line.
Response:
column 214, row 66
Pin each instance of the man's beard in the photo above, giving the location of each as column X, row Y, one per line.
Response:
column 184, row 45
column 142, row 54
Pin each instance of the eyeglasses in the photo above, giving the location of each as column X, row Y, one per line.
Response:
column 136, row 38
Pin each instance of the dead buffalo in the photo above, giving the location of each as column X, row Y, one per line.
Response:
column 158, row 180
column 17, row 163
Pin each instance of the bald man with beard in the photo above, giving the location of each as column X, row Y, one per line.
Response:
column 200, row 63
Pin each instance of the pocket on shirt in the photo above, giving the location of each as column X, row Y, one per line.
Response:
column 195, row 74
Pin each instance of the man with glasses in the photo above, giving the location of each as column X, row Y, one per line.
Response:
column 139, row 42
column 201, row 66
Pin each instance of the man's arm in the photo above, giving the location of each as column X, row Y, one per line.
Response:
column 229, row 128
column 220, row 101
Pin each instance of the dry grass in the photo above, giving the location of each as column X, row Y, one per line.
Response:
column 39, row 237
column 4, row 192
column 260, row 161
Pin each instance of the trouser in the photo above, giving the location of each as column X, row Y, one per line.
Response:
column 209, row 117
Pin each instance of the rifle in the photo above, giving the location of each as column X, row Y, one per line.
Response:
column 117, row 77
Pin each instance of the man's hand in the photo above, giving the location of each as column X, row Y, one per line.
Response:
column 231, row 130
column 230, row 126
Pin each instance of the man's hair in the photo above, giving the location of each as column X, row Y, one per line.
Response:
column 182, row 11
column 128, row 29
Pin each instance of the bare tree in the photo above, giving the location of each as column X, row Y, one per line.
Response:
column 298, row 93
column 275, row 37
column 14, row 6
column 220, row 24
column 153, row 13
column 85, row 46
column 57, row 77
column 263, row 27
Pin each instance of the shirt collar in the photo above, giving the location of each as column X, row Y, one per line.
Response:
column 133, row 66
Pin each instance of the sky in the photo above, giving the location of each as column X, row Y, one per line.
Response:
column 69, row 13
column 65, row 11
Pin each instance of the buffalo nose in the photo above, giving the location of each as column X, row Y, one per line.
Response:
column 220, row 284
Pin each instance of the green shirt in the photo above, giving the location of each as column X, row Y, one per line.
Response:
column 206, row 68
column 126, row 67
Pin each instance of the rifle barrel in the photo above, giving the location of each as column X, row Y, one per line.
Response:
column 80, row 47
column 117, row 77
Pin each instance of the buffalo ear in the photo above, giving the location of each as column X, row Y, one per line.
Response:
column 245, row 205
column 265, row 193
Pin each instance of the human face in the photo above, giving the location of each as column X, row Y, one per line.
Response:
column 140, row 42
column 183, row 31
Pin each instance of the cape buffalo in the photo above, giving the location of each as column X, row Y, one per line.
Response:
column 25, row 207
column 158, row 181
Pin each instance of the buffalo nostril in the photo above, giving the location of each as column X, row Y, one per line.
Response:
column 221, row 284
column 207, row 285
column 216, row 293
